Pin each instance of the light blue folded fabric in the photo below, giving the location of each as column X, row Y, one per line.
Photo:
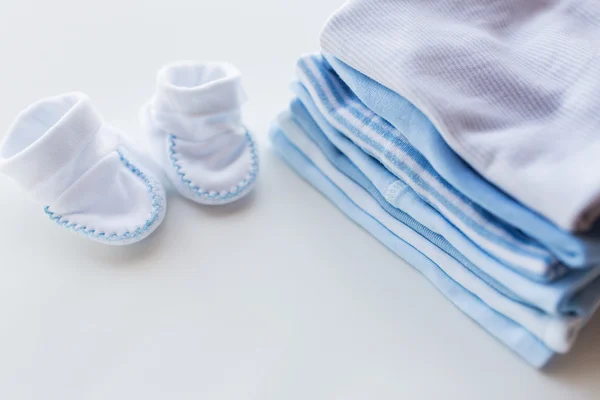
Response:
column 504, row 329
column 571, row 295
column 399, row 131
column 556, row 332
column 340, row 107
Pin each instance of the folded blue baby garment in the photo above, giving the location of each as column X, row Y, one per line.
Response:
column 451, row 281
column 339, row 105
column 554, row 312
column 555, row 332
column 363, row 108
column 561, row 297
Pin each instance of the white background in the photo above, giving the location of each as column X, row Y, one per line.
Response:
column 277, row 297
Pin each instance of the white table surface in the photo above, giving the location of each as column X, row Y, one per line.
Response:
column 277, row 297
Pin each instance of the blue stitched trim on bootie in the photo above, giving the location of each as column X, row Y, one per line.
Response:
column 213, row 195
column 157, row 201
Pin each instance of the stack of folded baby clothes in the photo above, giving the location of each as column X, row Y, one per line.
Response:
column 465, row 136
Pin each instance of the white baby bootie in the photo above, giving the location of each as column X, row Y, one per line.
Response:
column 195, row 125
column 88, row 178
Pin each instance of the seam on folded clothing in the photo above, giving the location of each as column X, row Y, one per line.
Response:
column 214, row 195
column 478, row 228
column 392, row 190
column 157, row 201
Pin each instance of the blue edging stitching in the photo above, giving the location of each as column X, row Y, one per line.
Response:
column 213, row 195
column 156, row 209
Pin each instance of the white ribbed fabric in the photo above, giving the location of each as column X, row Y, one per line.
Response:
column 195, row 125
column 512, row 86
column 88, row 178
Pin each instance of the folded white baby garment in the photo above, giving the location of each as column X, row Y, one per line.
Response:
column 512, row 86
column 194, row 122
column 89, row 179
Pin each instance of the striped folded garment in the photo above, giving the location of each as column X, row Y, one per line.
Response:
column 382, row 161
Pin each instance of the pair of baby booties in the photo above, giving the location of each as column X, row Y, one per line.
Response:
column 93, row 181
